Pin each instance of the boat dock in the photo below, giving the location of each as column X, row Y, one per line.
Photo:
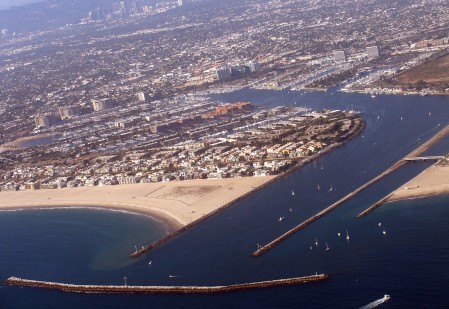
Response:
column 127, row 289
column 415, row 153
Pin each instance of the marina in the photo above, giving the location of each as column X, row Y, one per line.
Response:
column 225, row 241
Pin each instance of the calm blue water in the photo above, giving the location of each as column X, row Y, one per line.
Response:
column 39, row 141
column 409, row 262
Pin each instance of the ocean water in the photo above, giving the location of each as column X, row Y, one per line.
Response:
column 409, row 262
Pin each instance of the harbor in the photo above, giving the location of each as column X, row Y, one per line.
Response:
column 221, row 246
column 415, row 153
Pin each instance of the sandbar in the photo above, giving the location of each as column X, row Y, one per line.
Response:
column 432, row 181
column 177, row 203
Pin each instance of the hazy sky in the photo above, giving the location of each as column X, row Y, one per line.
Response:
column 4, row 4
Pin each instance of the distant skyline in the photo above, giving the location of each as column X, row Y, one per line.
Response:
column 6, row 4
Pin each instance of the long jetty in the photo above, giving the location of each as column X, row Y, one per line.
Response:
column 412, row 157
column 415, row 153
column 353, row 132
column 126, row 289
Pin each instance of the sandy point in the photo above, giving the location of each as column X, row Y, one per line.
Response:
column 433, row 181
column 177, row 202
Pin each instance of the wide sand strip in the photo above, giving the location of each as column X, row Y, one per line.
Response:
column 433, row 181
column 178, row 202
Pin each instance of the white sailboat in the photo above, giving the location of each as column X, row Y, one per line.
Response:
column 338, row 234
column 280, row 219
column 347, row 235
column 331, row 188
column 293, row 193
column 327, row 247
column 318, row 187
column 316, row 241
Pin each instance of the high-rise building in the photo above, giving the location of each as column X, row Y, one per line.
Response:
column 223, row 73
column 372, row 51
column 116, row 8
column 101, row 104
column 69, row 112
column 99, row 14
column 41, row 121
column 123, row 8
column 340, row 55
column 135, row 9
column 254, row 66
column 142, row 96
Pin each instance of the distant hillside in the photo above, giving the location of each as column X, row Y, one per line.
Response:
column 49, row 13
column 6, row 4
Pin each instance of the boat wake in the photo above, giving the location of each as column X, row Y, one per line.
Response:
column 376, row 303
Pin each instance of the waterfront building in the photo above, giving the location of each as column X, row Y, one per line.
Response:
column 372, row 51
column 180, row 2
column 254, row 66
column 223, row 73
column 41, row 121
column 69, row 112
column 101, row 104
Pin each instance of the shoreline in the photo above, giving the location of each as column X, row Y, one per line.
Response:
column 176, row 204
column 433, row 181
column 169, row 222
column 179, row 204
column 18, row 143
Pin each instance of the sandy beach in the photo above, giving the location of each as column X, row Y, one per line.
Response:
column 178, row 203
column 433, row 181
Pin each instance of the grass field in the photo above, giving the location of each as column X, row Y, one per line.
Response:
column 435, row 72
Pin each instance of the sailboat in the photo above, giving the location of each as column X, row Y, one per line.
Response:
column 318, row 187
column 281, row 218
column 293, row 193
column 384, row 232
column 327, row 247
column 347, row 235
column 290, row 209
column 331, row 188
column 338, row 234
column 316, row 241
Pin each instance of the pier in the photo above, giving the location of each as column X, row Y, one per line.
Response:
column 414, row 154
column 128, row 289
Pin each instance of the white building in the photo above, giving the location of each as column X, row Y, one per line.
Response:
column 372, row 51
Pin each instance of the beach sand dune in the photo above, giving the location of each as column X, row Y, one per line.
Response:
column 433, row 181
column 178, row 203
